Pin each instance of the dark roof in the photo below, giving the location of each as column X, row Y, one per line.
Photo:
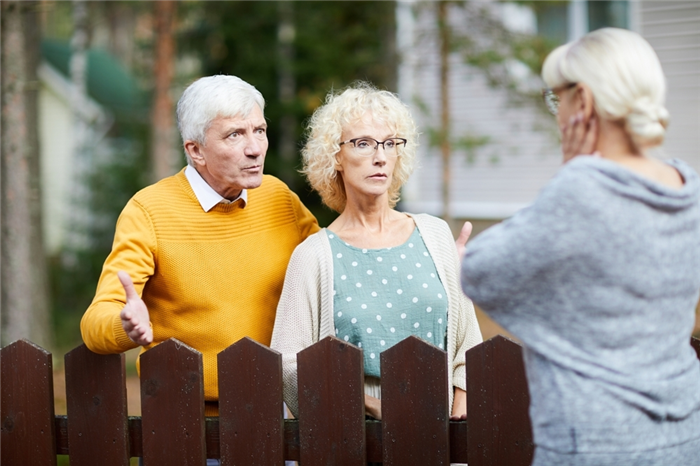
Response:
column 108, row 82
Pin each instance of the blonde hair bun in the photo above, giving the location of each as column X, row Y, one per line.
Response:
column 646, row 122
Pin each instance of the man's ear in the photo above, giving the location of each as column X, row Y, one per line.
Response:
column 194, row 150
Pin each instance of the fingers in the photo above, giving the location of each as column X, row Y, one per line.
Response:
column 128, row 285
column 465, row 233
column 579, row 137
column 462, row 239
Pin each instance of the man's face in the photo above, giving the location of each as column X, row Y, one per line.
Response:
column 233, row 154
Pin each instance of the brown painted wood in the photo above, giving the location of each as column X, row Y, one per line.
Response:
column 331, row 404
column 695, row 343
column 212, row 439
column 415, row 404
column 291, row 439
column 458, row 444
column 250, row 405
column 26, row 405
column 172, row 405
column 61, row 429
column 97, row 411
column 499, row 430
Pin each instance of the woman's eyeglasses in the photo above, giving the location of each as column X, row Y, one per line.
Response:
column 551, row 99
column 366, row 147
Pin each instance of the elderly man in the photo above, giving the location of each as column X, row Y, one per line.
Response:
column 201, row 256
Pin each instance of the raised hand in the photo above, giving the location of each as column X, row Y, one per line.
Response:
column 461, row 242
column 134, row 315
column 579, row 136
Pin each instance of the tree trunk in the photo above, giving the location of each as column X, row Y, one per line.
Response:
column 286, row 86
column 24, row 305
column 163, row 148
column 445, row 149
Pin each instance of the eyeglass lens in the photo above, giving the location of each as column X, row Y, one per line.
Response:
column 368, row 146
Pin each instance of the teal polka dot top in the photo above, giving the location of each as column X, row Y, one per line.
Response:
column 381, row 296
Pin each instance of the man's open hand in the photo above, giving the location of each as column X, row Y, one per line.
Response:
column 135, row 318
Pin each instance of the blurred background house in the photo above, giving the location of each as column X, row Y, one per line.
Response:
column 514, row 150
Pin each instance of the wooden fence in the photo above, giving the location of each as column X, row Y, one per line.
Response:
column 250, row 430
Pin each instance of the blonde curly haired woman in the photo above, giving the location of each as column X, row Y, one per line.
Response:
column 375, row 276
column 599, row 278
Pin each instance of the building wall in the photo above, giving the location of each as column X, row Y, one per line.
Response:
column 673, row 29
column 56, row 148
column 496, row 179
column 523, row 154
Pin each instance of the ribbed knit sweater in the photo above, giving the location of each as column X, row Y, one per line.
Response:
column 305, row 312
column 207, row 278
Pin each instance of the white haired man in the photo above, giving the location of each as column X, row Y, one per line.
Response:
column 201, row 256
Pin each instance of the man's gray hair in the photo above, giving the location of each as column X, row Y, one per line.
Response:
column 211, row 97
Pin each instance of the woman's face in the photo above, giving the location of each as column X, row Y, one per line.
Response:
column 366, row 176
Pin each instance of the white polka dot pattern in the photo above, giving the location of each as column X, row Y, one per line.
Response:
column 407, row 304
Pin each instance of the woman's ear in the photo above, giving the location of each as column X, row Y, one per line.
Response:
column 338, row 167
column 584, row 101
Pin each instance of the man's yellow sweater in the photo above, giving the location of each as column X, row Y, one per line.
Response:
column 207, row 278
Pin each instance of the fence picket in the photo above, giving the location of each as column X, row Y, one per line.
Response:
column 498, row 400
column 332, row 429
column 26, row 404
column 331, row 404
column 172, row 405
column 414, row 380
column 250, row 405
column 97, row 409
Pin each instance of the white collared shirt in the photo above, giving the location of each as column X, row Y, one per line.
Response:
column 206, row 195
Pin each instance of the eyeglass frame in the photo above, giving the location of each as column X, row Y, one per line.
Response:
column 551, row 99
column 404, row 141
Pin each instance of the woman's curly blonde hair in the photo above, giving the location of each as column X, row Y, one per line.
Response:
column 325, row 129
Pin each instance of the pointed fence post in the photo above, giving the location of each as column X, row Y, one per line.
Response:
column 250, row 405
column 172, row 405
column 498, row 400
column 98, row 430
column 26, row 403
column 331, row 404
column 415, row 404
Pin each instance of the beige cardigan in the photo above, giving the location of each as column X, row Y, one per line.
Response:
column 305, row 310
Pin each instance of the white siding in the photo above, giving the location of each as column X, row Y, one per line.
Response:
column 507, row 173
column 673, row 29
column 523, row 154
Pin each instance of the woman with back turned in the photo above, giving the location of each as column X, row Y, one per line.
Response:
column 599, row 278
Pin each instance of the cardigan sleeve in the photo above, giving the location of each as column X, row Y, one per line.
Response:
column 298, row 313
column 133, row 251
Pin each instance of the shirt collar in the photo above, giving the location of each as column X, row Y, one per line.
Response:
column 205, row 194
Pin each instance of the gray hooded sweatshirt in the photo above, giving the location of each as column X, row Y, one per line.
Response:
column 599, row 279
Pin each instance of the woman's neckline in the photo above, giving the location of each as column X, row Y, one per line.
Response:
column 333, row 234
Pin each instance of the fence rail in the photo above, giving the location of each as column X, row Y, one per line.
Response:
column 250, row 429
